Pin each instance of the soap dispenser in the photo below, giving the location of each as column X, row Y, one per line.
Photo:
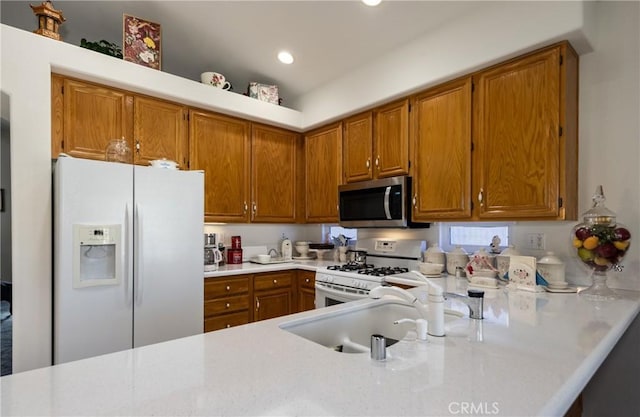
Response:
column 286, row 251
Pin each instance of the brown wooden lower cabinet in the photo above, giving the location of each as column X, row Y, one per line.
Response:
column 226, row 302
column 306, row 290
column 241, row 299
column 273, row 294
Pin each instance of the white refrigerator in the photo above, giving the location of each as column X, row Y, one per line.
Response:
column 128, row 256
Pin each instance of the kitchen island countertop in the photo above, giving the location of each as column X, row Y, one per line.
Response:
column 254, row 268
column 531, row 355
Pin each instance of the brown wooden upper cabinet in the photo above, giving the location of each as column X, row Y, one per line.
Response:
column 160, row 130
column 376, row 143
column 323, row 173
column 525, row 137
column 87, row 116
column 441, row 132
column 274, row 174
column 220, row 146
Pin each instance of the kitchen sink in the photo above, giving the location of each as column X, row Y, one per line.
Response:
column 349, row 330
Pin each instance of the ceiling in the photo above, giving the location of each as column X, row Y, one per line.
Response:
column 241, row 39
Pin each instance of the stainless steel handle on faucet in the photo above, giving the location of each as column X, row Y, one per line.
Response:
column 387, row 194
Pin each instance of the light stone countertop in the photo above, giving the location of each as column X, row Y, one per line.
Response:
column 531, row 355
column 253, row 268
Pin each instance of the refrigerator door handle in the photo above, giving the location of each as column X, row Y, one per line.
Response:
column 137, row 259
column 128, row 291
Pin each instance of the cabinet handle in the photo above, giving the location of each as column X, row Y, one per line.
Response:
column 275, row 281
column 246, row 207
column 378, row 161
column 480, row 196
column 306, row 280
column 227, row 305
column 137, row 145
column 415, row 200
column 257, row 304
column 368, row 163
column 228, row 288
column 254, row 208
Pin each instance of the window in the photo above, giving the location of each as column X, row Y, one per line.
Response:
column 473, row 236
column 335, row 231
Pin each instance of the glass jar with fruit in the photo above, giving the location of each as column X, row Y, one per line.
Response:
column 600, row 243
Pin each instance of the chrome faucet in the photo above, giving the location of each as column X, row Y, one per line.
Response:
column 273, row 250
column 474, row 300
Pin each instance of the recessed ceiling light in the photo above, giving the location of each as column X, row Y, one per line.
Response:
column 285, row 57
column 371, row 2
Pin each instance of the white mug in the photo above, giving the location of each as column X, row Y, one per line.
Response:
column 215, row 79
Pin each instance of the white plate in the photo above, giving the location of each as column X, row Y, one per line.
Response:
column 303, row 258
column 255, row 260
column 567, row 289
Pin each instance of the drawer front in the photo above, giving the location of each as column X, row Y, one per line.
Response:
column 226, row 305
column 225, row 321
column 218, row 287
column 271, row 281
column 307, row 279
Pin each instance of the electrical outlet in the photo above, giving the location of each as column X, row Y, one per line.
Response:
column 535, row 241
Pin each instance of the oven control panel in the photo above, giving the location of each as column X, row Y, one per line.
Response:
column 385, row 246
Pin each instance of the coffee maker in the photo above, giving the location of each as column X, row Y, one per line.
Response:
column 212, row 255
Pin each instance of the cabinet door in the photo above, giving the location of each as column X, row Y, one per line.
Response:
column 273, row 175
column 94, row 116
column 271, row 304
column 323, row 156
column 441, row 132
column 517, row 152
column 357, row 147
column 391, row 140
column 220, row 146
column 306, row 290
column 159, row 131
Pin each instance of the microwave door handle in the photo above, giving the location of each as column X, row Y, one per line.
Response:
column 387, row 194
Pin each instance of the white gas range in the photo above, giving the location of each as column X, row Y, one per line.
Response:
column 347, row 282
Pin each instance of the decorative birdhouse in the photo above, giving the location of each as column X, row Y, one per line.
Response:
column 49, row 20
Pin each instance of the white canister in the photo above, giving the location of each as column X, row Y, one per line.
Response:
column 458, row 257
column 502, row 260
column 552, row 269
column 435, row 255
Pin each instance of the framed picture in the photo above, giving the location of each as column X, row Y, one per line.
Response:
column 141, row 41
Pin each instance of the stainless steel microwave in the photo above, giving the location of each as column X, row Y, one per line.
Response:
column 378, row 203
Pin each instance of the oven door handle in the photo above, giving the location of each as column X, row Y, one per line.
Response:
column 340, row 293
column 387, row 194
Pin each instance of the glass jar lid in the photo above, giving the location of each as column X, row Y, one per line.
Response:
column 599, row 213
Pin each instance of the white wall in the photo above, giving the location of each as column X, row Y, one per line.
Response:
column 27, row 60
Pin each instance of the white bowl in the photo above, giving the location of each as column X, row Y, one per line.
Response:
column 264, row 258
column 428, row 268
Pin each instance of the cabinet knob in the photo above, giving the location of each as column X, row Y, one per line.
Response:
column 306, row 280
column 257, row 304
column 378, row 161
column 415, row 200
column 228, row 325
column 368, row 163
column 275, row 281
column 480, row 196
column 227, row 305
column 228, row 288
column 255, row 208
column 245, row 207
